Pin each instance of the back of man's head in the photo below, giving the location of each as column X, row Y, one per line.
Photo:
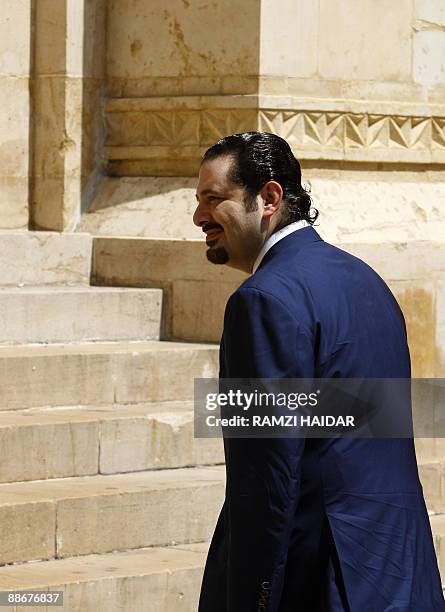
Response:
column 259, row 157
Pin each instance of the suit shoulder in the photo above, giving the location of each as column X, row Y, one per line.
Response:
column 271, row 293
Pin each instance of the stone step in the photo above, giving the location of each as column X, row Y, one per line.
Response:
column 45, row 258
column 158, row 579
column 98, row 373
column 76, row 314
column 196, row 292
column 154, row 579
column 63, row 442
column 57, row 443
column 65, row 517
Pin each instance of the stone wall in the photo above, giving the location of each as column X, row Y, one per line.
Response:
column 15, row 43
column 363, row 50
column 140, row 89
column 182, row 47
column 196, row 292
column 346, row 83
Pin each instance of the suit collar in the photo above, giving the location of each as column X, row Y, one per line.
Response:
column 276, row 237
column 295, row 241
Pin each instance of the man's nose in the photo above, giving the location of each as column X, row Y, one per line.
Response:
column 201, row 215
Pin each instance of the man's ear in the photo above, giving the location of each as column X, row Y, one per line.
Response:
column 272, row 196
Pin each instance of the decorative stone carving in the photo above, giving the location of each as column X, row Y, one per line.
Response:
column 137, row 129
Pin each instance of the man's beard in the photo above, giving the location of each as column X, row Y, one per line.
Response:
column 217, row 255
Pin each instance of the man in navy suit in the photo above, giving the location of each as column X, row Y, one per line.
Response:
column 308, row 525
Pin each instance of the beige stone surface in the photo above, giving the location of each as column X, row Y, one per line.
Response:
column 279, row 100
column 143, row 206
column 178, row 507
column 353, row 90
column 429, row 56
column 117, row 512
column 430, row 448
column 154, row 441
column 67, row 129
column 429, row 43
column 14, row 151
column 73, row 314
column 155, row 261
column 149, row 375
column 50, row 22
column 58, row 123
column 57, row 162
column 417, row 300
column 421, row 260
column 185, row 287
column 355, row 206
column 51, row 143
column 368, row 40
column 86, row 35
column 167, row 136
column 15, row 41
column 432, row 476
column 440, row 325
column 374, row 59
column 102, row 373
column 158, row 43
column 35, row 450
column 14, row 203
column 196, row 292
column 438, row 528
column 376, row 209
column 77, row 441
column 27, row 529
column 289, row 39
column 430, row 11
column 151, row 579
column 45, row 258
column 197, row 308
column 71, row 58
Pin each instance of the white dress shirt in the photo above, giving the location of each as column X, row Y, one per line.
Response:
column 276, row 237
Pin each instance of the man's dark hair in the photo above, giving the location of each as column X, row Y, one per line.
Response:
column 259, row 157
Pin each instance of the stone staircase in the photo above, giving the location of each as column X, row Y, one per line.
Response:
column 105, row 494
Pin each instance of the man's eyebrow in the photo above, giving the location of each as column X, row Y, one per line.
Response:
column 206, row 192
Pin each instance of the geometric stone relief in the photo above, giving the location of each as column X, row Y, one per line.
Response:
column 191, row 127
column 438, row 131
column 315, row 134
column 346, row 130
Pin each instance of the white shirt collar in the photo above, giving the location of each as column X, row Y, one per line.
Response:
column 276, row 237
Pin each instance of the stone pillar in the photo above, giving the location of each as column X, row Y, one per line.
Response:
column 67, row 89
column 15, row 40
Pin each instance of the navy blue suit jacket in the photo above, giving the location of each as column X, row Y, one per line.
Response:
column 318, row 525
